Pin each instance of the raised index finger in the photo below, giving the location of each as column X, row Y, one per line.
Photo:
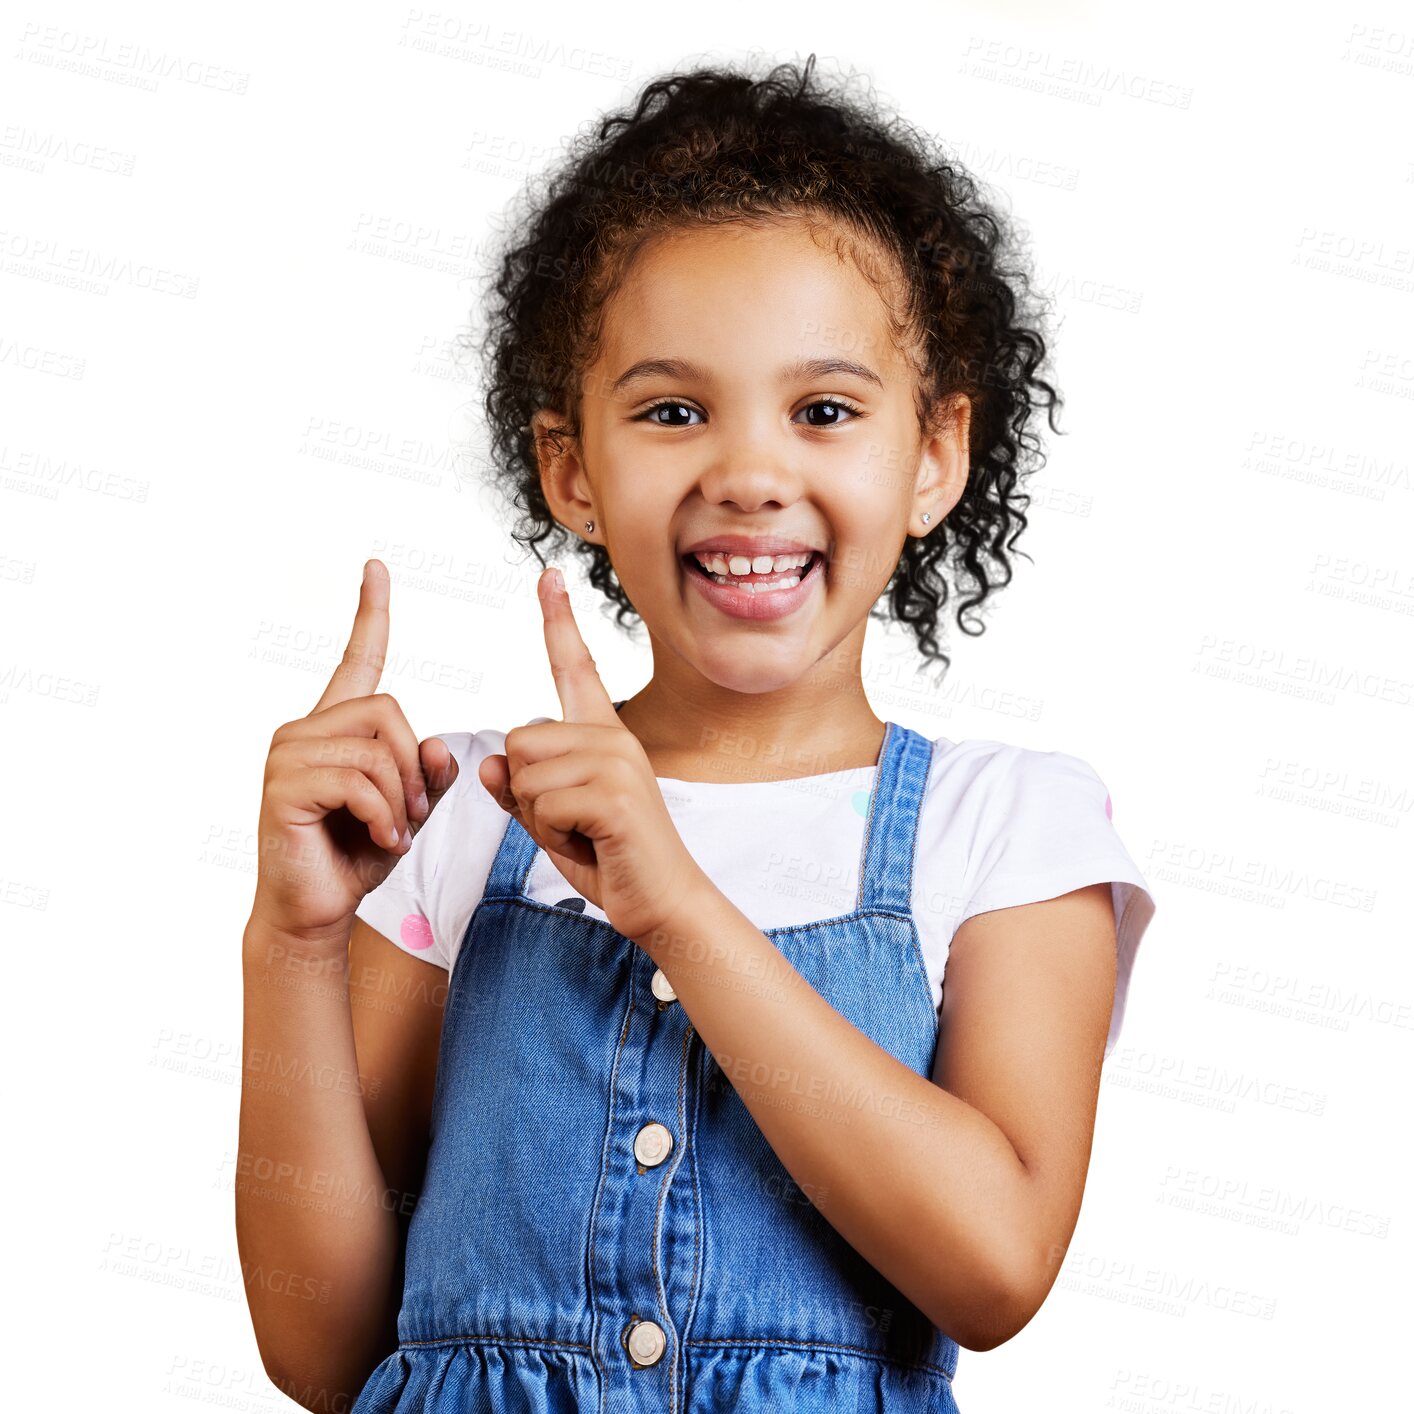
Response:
column 362, row 664
column 582, row 695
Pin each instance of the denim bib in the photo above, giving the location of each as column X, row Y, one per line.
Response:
column 603, row 1225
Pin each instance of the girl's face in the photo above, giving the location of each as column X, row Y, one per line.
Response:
column 748, row 402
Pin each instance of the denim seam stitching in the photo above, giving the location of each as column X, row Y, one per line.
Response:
column 910, row 785
column 699, row 1222
column 684, row 1090
column 879, row 779
column 746, row 1343
column 922, row 767
column 664, row 1179
column 477, row 1337
column 754, row 1342
column 599, row 1192
column 663, row 1189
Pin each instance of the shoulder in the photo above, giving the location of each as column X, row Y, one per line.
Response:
column 989, row 760
column 983, row 779
column 1019, row 825
column 1016, row 823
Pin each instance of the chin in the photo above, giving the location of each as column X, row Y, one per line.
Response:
column 773, row 670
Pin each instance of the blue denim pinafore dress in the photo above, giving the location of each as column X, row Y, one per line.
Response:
column 603, row 1226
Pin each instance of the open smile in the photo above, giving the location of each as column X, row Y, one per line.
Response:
column 766, row 587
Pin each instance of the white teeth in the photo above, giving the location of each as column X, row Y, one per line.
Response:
column 728, row 569
column 753, row 588
column 717, row 563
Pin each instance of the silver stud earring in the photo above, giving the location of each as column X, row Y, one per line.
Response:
column 926, row 517
column 589, row 526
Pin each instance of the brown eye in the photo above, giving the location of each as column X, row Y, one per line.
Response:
column 649, row 414
column 835, row 406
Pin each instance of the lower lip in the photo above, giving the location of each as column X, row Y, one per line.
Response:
column 765, row 603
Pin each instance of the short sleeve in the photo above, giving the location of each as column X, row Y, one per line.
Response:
column 1047, row 827
column 409, row 906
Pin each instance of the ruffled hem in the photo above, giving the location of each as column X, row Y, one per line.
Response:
column 464, row 1378
column 810, row 1378
column 468, row 1378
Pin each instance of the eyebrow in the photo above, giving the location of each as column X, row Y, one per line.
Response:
column 803, row 368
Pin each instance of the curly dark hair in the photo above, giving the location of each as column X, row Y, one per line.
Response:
column 720, row 144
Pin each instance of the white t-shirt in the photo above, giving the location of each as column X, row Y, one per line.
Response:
column 1000, row 825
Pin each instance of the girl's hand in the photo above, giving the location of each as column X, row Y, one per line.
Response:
column 345, row 790
column 585, row 791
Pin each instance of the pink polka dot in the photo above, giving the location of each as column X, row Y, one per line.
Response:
column 1109, row 812
column 416, row 932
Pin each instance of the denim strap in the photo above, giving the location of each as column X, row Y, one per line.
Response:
column 890, row 832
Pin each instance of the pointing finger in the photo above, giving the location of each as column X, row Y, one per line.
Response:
column 582, row 694
column 362, row 664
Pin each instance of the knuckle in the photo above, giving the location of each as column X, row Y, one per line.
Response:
column 620, row 775
column 361, row 655
column 356, row 783
column 371, row 763
column 578, row 666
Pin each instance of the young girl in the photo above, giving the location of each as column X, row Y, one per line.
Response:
column 634, row 1082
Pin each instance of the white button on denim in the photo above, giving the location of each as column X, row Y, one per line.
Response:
column 652, row 1144
column 646, row 1342
column 662, row 988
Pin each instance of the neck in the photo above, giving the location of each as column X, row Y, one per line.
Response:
column 699, row 731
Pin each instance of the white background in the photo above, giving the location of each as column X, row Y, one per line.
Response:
column 1218, row 616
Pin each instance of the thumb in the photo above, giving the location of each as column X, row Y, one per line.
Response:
column 439, row 769
column 495, row 774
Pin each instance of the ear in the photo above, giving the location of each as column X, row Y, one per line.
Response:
column 562, row 477
column 943, row 464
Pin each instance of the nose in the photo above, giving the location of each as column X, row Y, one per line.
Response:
column 749, row 475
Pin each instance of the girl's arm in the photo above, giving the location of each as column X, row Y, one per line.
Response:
column 339, row 1062
column 963, row 1191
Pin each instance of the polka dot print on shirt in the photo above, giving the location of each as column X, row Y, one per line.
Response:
column 416, row 932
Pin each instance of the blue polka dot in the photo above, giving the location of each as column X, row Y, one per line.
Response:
column 575, row 903
column 860, row 801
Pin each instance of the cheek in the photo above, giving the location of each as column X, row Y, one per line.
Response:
column 640, row 537
column 866, row 554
